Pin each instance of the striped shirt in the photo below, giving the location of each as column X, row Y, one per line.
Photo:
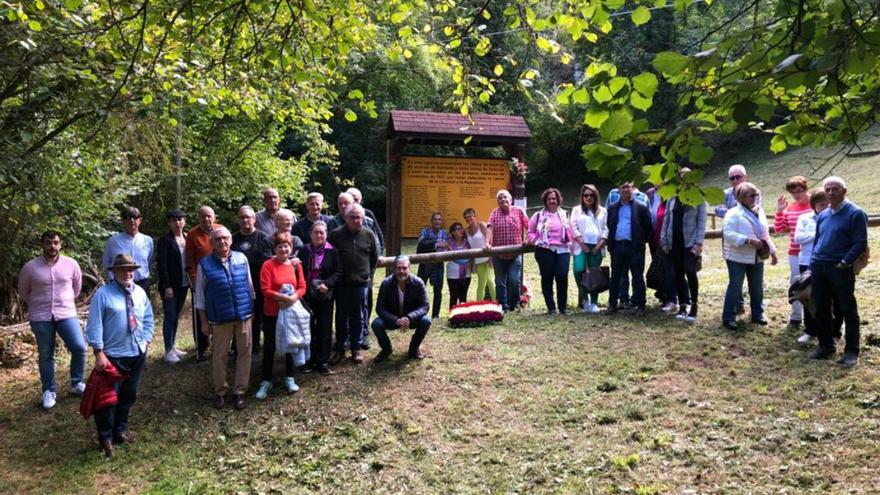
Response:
column 786, row 220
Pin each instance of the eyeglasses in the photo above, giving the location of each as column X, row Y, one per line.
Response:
column 735, row 177
column 588, row 195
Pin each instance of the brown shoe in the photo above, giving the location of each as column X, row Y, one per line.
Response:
column 357, row 356
column 238, row 402
column 124, row 437
column 417, row 355
column 337, row 358
column 107, row 448
column 219, row 402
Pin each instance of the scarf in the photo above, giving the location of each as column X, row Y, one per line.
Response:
column 543, row 226
column 315, row 258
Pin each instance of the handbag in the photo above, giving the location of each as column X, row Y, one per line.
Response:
column 763, row 252
column 654, row 276
column 596, row 280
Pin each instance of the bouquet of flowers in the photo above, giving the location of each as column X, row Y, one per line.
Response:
column 475, row 314
column 518, row 168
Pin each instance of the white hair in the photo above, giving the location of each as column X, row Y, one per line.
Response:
column 217, row 232
column 247, row 209
column 503, row 192
column 315, row 195
column 207, row 210
column 354, row 208
column 283, row 213
column 834, row 180
column 270, row 190
column 355, row 194
column 345, row 195
column 737, row 168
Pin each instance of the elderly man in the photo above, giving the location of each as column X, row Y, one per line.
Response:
column 434, row 239
column 841, row 238
column 133, row 243
column 736, row 175
column 403, row 304
column 257, row 247
column 314, row 205
column 343, row 202
column 508, row 226
column 224, row 298
column 119, row 328
column 266, row 216
column 368, row 213
column 629, row 229
column 359, row 255
column 49, row 285
column 198, row 245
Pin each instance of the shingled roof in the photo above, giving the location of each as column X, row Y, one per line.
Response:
column 453, row 128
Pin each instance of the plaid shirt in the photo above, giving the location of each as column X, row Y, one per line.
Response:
column 507, row 228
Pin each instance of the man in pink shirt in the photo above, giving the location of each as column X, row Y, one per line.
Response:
column 50, row 284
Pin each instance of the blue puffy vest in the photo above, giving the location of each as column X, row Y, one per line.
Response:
column 227, row 294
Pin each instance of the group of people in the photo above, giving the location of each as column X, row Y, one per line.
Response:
column 241, row 282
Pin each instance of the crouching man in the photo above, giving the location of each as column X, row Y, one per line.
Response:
column 403, row 304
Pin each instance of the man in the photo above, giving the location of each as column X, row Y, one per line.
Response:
column 119, row 328
column 266, row 216
column 736, row 175
column 49, row 285
column 314, row 205
column 358, row 198
column 508, row 226
column 343, row 202
column 198, row 245
column 224, row 298
column 257, row 247
column 403, row 304
column 433, row 239
column 629, row 229
column 841, row 238
column 133, row 243
column 652, row 201
column 359, row 255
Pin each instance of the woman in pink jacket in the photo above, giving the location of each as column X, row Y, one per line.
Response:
column 550, row 233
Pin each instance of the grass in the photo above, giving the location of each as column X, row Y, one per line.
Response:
column 565, row 404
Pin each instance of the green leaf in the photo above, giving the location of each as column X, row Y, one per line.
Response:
column 564, row 96
column 147, row 99
column 713, row 195
column 691, row 196
column 778, row 144
column 646, row 83
column 670, row 63
column 498, row 70
column 616, row 84
column 602, row 94
column 35, row 26
column 616, row 126
column 700, row 154
column 641, row 15
column 595, row 117
column 73, row 4
column 640, row 102
column 350, row 115
column 581, row 96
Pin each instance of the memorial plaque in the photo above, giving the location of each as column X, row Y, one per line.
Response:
column 448, row 185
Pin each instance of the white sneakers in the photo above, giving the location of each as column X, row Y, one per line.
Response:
column 590, row 308
column 172, row 357
column 49, row 399
column 78, row 389
column 669, row 307
column 179, row 353
column 290, row 385
column 804, row 339
column 263, row 391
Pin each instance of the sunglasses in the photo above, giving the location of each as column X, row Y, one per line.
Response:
column 735, row 177
column 588, row 195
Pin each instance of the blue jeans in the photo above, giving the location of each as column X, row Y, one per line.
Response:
column 71, row 333
column 736, row 272
column 350, row 302
column 171, row 310
column 832, row 285
column 113, row 420
column 507, row 281
column 626, row 257
column 421, row 329
column 553, row 267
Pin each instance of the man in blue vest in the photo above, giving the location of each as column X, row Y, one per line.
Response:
column 224, row 296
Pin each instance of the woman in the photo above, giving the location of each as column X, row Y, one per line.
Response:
column 683, row 231
column 173, row 282
column 589, row 231
column 747, row 243
column 786, row 219
column 277, row 271
column 323, row 270
column 550, row 233
column 666, row 292
column 458, row 272
column 476, row 237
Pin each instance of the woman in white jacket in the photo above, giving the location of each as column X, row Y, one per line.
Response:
column 589, row 231
column 746, row 239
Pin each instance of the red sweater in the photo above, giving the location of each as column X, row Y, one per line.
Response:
column 272, row 276
column 787, row 220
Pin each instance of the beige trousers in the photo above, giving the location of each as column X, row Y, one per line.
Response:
column 222, row 338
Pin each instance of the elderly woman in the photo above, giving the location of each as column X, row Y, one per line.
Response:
column 589, row 230
column 747, row 244
column 277, row 271
column 323, row 271
column 550, row 233
column 507, row 226
column 476, row 237
column 786, row 219
column 681, row 238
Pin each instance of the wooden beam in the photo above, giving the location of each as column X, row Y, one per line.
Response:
column 441, row 256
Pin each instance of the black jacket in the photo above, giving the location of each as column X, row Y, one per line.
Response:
column 415, row 300
column 330, row 269
column 358, row 254
column 642, row 226
column 169, row 266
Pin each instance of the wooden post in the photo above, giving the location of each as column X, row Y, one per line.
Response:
column 393, row 217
